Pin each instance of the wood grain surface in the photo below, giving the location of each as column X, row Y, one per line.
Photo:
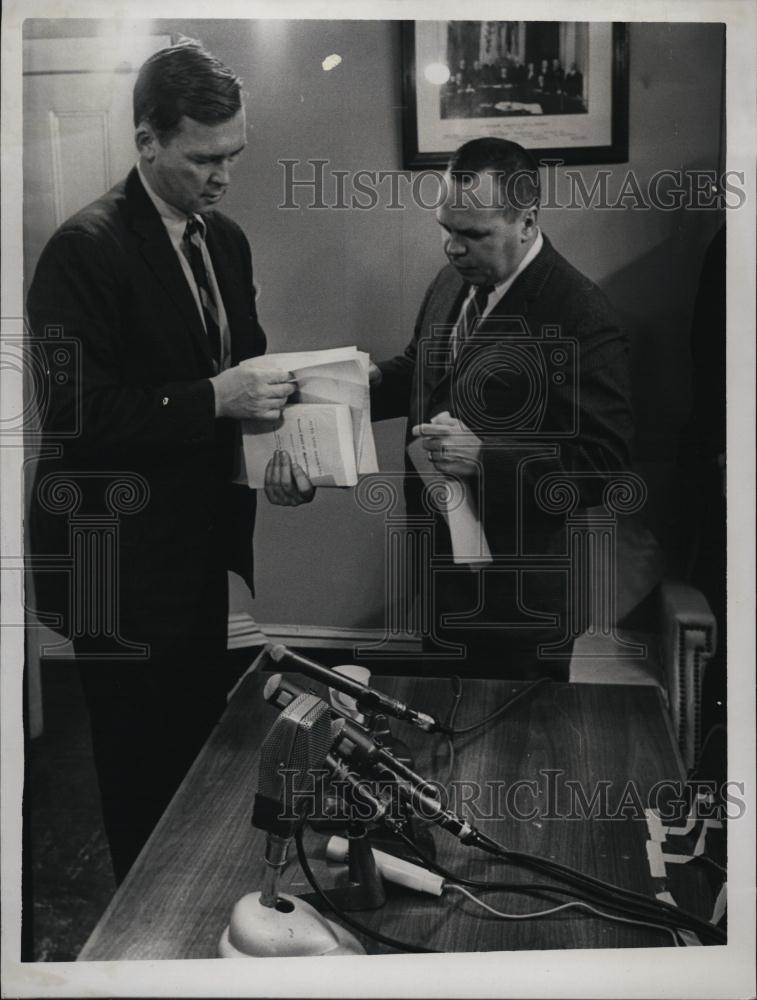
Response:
column 204, row 854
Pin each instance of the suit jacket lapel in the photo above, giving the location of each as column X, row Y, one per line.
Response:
column 509, row 314
column 443, row 312
column 506, row 318
column 160, row 255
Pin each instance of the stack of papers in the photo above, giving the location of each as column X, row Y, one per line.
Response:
column 469, row 544
column 326, row 428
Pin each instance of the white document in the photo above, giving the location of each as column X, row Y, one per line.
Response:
column 318, row 437
column 334, row 377
column 469, row 544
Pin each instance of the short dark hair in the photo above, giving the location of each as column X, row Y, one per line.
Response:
column 185, row 79
column 517, row 172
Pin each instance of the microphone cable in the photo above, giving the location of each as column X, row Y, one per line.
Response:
column 573, row 904
column 656, row 908
column 533, row 889
column 649, row 909
column 449, row 731
column 625, row 899
column 492, row 716
column 457, row 697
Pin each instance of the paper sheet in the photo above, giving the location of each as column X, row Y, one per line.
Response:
column 469, row 544
column 335, row 375
column 319, row 438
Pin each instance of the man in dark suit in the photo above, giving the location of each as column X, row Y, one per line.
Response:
column 517, row 371
column 155, row 288
column 573, row 85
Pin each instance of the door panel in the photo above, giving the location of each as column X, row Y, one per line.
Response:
column 78, row 128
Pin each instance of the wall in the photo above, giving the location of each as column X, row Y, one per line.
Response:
column 347, row 276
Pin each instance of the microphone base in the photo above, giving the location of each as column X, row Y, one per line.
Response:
column 291, row 928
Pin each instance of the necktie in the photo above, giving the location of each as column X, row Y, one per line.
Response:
column 471, row 316
column 192, row 244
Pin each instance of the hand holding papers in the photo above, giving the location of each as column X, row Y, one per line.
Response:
column 247, row 394
column 457, row 498
column 286, row 484
column 326, row 425
column 451, row 446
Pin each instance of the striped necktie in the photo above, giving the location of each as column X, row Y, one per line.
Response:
column 470, row 318
column 192, row 246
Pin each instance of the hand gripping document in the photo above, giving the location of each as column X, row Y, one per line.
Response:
column 455, row 500
column 326, row 428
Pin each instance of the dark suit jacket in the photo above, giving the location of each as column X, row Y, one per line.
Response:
column 140, row 401
column 543, row 381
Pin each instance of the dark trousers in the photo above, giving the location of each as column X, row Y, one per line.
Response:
column 150, row 718
column 504, row 627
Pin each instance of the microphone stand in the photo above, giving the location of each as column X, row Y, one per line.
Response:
column 270, row 924
column 275, row 862
column 266, row 923
column 364, row 887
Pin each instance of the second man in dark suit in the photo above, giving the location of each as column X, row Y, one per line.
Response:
column 517, row 371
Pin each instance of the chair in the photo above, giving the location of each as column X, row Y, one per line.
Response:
column 677, row 646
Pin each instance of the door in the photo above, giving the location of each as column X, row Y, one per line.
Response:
column 78, row 128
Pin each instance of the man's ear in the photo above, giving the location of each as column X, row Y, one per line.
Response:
column 146, row 141
column 529, row 223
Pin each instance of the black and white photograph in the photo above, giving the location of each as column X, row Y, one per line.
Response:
column 557, row 86
column 515, row 68
column 377, row 453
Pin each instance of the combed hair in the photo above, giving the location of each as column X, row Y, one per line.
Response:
column 185, row 79
column 517, row 172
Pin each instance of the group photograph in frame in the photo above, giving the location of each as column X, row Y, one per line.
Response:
column 559, row 88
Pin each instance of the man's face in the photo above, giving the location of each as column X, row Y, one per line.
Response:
column 191, row 171
column 479, row 241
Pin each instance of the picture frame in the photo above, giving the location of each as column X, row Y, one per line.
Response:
column 576, row 112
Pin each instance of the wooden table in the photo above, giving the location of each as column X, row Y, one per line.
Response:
column 204, row 853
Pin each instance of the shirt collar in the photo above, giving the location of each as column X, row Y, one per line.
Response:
column 499, row 290
column 502, row 287
column 174, row 220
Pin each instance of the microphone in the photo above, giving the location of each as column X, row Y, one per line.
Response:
column 267, row 923
column 350, row 739
column 295, row 747
column 372, row 807
column 353, row 745
column 366, row 697
column 412, row 790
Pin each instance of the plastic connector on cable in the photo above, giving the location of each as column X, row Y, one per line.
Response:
column 392, row 869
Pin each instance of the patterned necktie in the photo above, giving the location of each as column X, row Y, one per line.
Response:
column 191, row 245
column 470, row 318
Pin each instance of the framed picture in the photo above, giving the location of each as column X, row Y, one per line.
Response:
column 559, row 88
